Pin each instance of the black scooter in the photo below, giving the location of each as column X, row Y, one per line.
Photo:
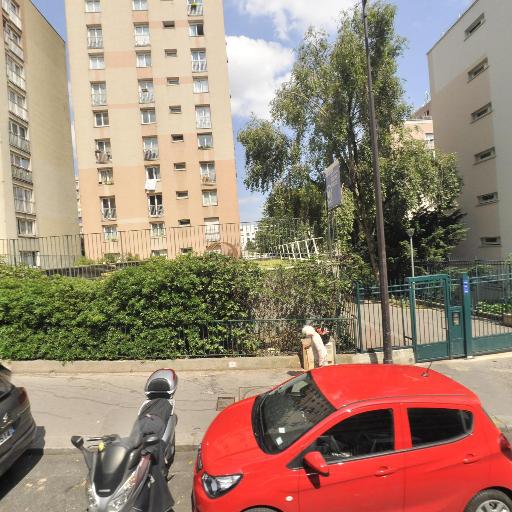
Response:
column 130, row 474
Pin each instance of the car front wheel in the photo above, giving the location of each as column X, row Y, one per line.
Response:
column 490, row 501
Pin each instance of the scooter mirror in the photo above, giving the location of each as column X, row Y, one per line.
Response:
column 151, row 441
column 77, row 442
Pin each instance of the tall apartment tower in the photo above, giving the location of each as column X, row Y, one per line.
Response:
column 37, row 196
column 153, row 127
column 470, row 81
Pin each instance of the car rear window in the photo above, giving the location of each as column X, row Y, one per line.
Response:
column 438, row 425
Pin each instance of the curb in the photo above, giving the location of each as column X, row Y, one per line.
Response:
column 70, row 451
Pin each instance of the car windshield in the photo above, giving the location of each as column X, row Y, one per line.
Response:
column 285, row 414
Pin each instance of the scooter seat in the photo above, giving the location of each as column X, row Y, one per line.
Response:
column 160, row 408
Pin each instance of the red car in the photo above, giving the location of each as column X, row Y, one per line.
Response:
column 356, row 438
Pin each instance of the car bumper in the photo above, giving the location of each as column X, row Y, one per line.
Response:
column 20, row 446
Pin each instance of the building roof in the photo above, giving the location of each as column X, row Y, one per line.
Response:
column 347, row 384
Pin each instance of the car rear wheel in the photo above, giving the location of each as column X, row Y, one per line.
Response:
column 490, row 501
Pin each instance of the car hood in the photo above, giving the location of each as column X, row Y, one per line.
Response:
column 229, row 445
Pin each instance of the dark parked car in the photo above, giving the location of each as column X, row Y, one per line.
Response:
column 17, row 427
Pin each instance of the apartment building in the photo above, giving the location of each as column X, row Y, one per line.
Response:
column 36, row 158
column 154, row 137
column 421, row 126
column 470, row 77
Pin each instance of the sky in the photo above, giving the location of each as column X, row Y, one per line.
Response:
column 261, row 37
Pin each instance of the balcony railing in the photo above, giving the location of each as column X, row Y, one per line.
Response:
column 21, row 174
column 195, row 9
column 21, row 206
column 19, row 142
column 199, row 66
column 204, row 122
column 109, row 213
column 103, row 157
column 142, row 40
column 150, row 154
column 95, row 42
column 209, row 180
column 18, row 110
column 146, row 97
column 16, row 79
column 156, row 210
column 11, row 45
column 98, row 99
column 212, row 233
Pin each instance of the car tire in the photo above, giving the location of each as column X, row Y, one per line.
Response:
column 491, row 497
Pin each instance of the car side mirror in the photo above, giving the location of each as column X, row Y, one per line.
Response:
column 151, row 441
column 316, row 462
column 77, row 442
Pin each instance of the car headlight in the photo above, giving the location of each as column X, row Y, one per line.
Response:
column 92, row 504
column 124, row 494
column 216, row 486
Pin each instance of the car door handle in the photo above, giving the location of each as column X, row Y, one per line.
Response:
column 384, row 471
column 471, row 458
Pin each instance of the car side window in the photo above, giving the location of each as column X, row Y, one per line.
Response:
column 436, row 425
column 361, row 435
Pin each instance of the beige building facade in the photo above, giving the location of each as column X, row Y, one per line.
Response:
column 152, row 117
column 470, row 77
column 37, row 196
column 421, row 126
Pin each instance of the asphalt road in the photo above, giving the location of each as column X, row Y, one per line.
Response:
column 56, row 483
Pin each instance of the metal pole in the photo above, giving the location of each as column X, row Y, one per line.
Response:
column 412, row 258
column 381, row 239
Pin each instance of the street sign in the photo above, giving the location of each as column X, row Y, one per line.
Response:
column 333, row 185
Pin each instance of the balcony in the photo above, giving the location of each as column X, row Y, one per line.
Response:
column 99, row 99
column 16, row 79
column 150, row 154
column 13, row 47
column 21, row 206
column 195, row 9
column 12, row 15
column 199, row 66
column 146, row 97
column 108, row 213
column 21, row 174
column 103, row 157
column 18, row 110
column 156, row 210
column 203, row 122
column 19, row 142
column 95, row 42
column 142, row 40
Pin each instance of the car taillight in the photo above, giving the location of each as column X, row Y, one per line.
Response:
column 22, row 396
column 505, row 447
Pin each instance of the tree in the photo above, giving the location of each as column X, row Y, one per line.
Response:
column 321, row 114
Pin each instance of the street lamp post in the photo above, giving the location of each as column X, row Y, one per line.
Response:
column 381, row 239
column 410, row 232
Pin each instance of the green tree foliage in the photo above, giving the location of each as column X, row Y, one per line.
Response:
column 321, row 114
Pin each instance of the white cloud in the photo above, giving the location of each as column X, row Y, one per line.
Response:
column 296, row 15
column 256, row 69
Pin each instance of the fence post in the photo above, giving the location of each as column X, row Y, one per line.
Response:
column 466, row 313
column 359, row 324
column 412, row 302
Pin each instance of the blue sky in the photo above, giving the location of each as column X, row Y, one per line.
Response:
column 261, row 35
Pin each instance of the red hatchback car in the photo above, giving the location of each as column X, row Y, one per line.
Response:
column 356, row 438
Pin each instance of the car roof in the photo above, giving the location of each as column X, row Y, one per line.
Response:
column 346, row 384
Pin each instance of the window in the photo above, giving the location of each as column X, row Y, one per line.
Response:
column 98, row 93
column 29, row 258
column 485, row 155
column 108, row 208
column 146, row 93
column 17, row 104
column 430, row 426
column 20, row 161
column 488, row 198
column 23, row 200
column 171, row 53
column 208, row 175
column 101, row 119
column 184, row 222
column 20, row 168
column 148, row 116
column 18, row 136
column 110, row 233
column 140, row 5
column 158, row 230
column 203, row 117
column 143, row 59
column 169, row 24
column 26, row 227
column 173, row 81
column 362, row 435
column 475, row 25
column 201, row 85
column 478, row 69
column 210, row 198
column 196, row 30
column 177, row 137
column 488, row 241
column 205, row 141
column 195, row 7
column 182, row 194
column 159, row 253
column 153, row 173
column 155, row 205
column 106, row 176
column 175, row 109
column 141, row 34
column 150, row 148
column 94, row 37
column 429, row 140
column 180, row 166
column 212, row 229
column 92, row 6
column 15, row 72
column 199, row 63
column 186, row 250
column 103, row 151
column 96, row 61
column 481, row 112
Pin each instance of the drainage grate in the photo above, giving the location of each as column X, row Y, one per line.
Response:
column 224, row 401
